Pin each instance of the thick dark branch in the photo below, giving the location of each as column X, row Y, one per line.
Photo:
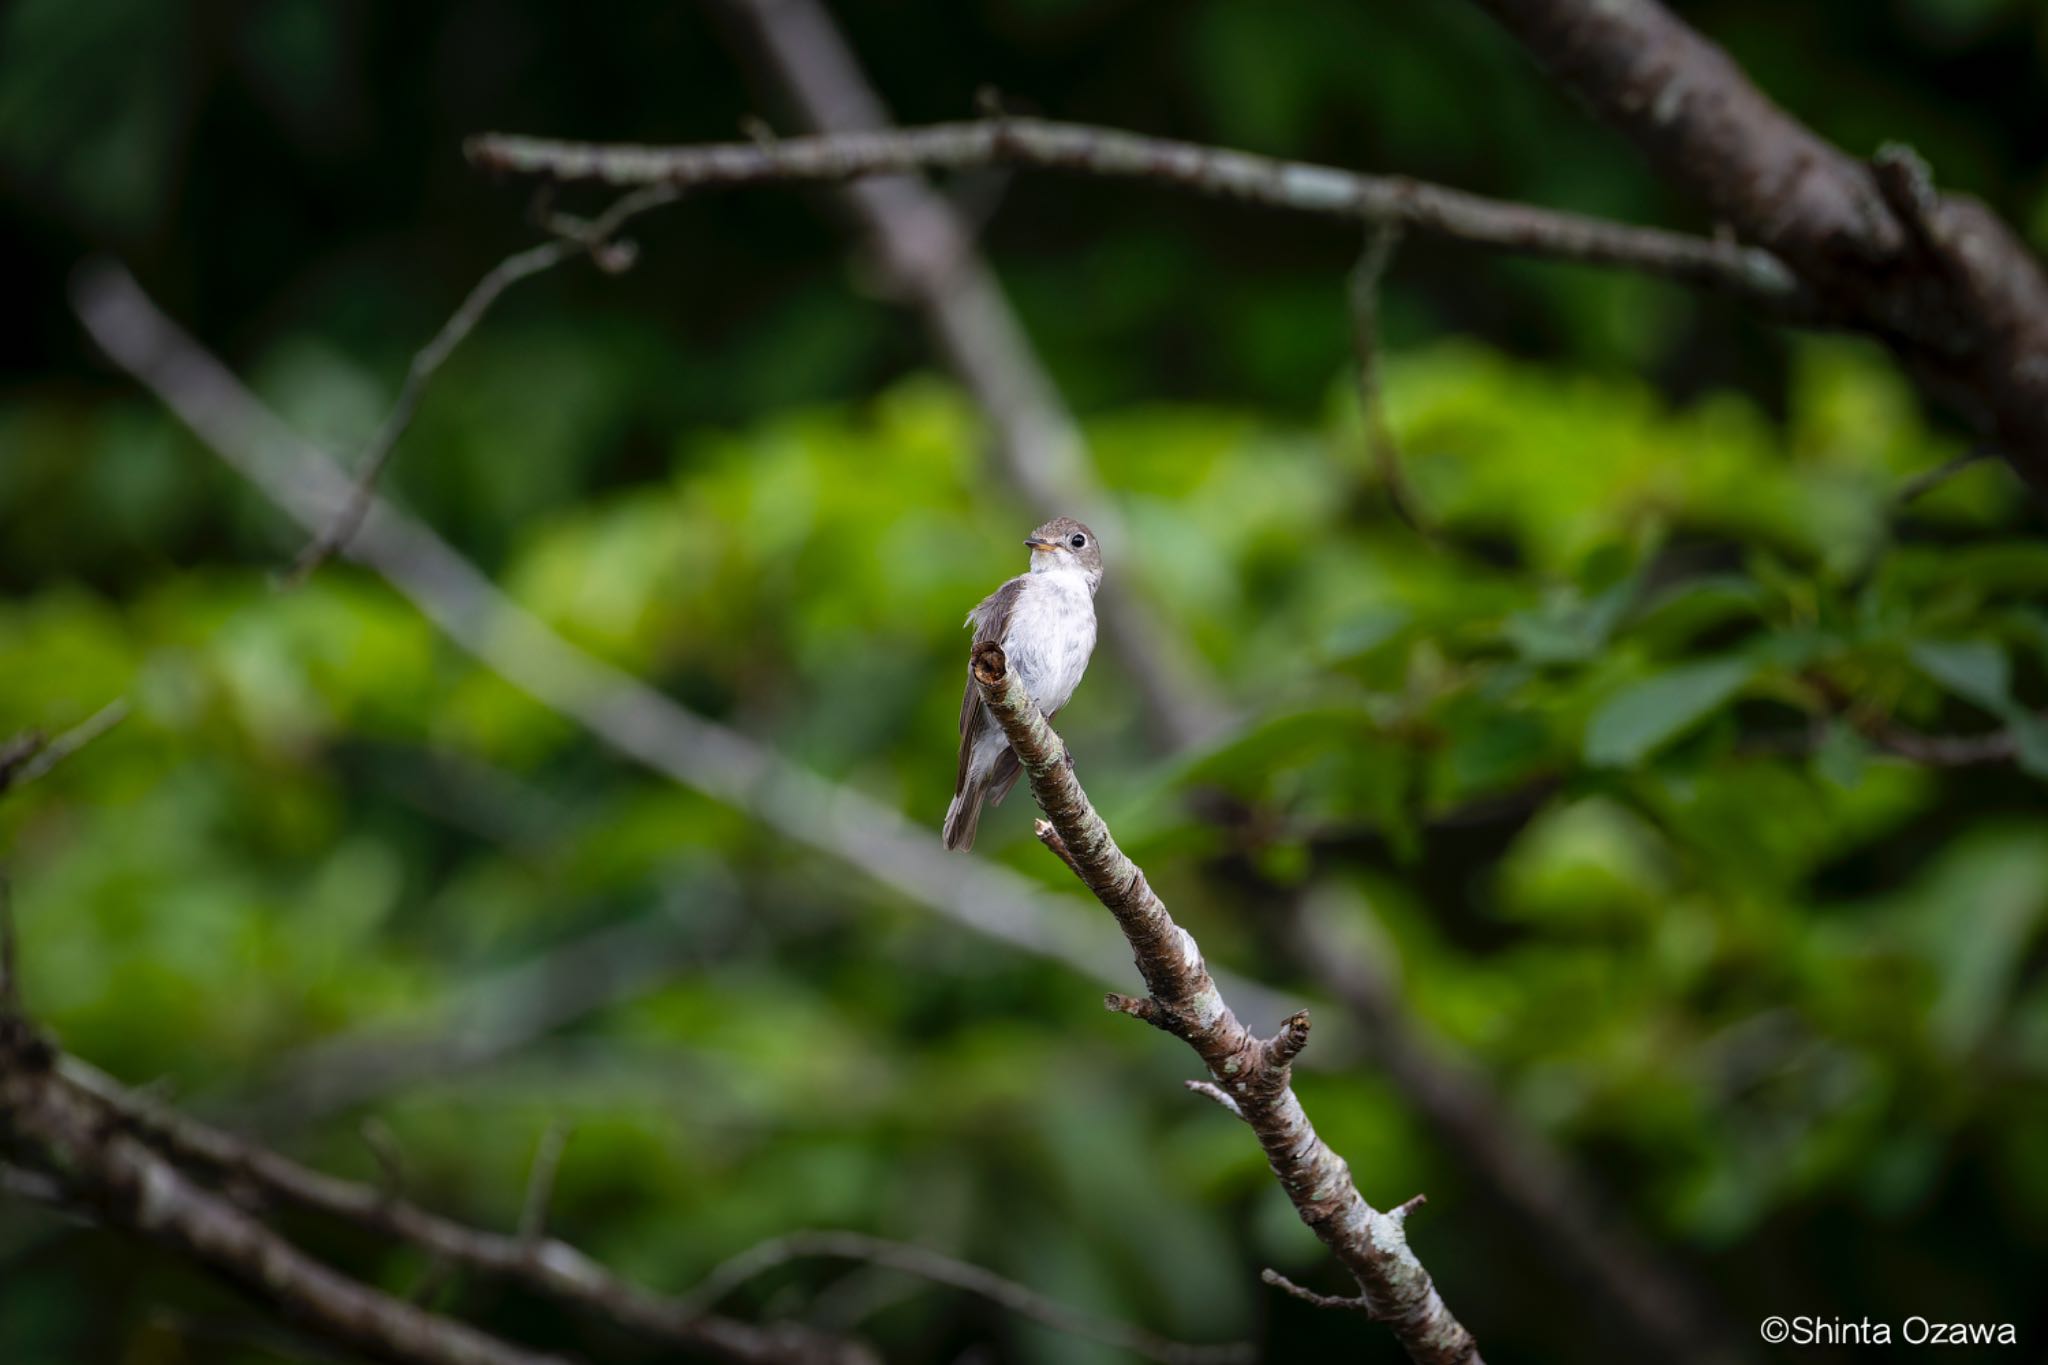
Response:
column 1289, row 185
column 540, row 1264
column 126, row 1183
column 1252, row 1072
column 1938, row 278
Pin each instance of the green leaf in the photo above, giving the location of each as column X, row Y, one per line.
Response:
column 1365, row 632
column 1975, row 670
column 1842, row 756
column 1635, row 721
column 1569, row 630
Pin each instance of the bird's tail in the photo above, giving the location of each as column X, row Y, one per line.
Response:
column 963, row 817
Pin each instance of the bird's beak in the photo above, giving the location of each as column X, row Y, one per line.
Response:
column 1038, row 543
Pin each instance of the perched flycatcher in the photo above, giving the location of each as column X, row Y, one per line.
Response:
column 1045, row 622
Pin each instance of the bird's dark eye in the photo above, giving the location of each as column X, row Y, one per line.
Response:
column 1078, row 541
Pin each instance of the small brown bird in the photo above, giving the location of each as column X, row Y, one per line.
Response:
column 1045, row 622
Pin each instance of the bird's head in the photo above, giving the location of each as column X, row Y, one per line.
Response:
column 1064, row 545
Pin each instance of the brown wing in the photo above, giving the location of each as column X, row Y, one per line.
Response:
column 991, row 622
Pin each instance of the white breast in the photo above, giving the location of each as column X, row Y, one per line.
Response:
column 1051, row 635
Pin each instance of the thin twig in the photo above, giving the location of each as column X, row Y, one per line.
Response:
column 540, row 1182
column 1209, row 1090
column 36, row 1187
column 574, row 238
column 1050, row 837
column 1930, row 479
column 384, row 1150
column 1945, row 751
column 27, row 757
column 1349, row 1304
column 1381, row 240
column 939, row 1268
column 10, row 980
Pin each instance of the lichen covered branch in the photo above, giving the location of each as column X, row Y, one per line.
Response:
column 1253, row 1073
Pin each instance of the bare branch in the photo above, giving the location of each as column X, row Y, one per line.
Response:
column 638, row 722
column 541, row 1264
column 1294, row 186
column 1050, row 837
column 35, row 1187
column 1139, row 1007
column 10, row 967
column 1209, row 1090
column 1928, row 480
column 540, row 1184
column 574, row 238
column 550, row 1267
column 1352, row 1304
column 1946, row 751
column 27, row 757
column 384, row 1150
column 1366, row 277
column 938, row 1268
column 1371, row 1245
column 128, row 1184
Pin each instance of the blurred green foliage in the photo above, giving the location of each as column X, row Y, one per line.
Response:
column 1597, row 761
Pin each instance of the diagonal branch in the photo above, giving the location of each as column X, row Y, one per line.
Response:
column 1294, row 186
column 94, row 1101
column 28, row 756
column 1183, row 999
column 127, row 1183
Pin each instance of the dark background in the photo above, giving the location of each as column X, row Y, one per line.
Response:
column 1791, row 1007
